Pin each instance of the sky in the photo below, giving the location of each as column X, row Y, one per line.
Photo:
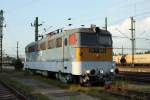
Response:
column 53, row 14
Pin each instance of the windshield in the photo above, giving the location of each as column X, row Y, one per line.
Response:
column 88, row 39
column 94, row 39
column 105, row 40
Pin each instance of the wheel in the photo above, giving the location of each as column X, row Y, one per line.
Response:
column 32, row 72
column 57, row 76
column 102, row 82
column 81, row 81
column 68, row 78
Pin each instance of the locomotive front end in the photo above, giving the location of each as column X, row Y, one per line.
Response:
column 94, row 57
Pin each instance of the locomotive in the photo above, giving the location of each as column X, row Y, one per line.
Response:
column 82, row 55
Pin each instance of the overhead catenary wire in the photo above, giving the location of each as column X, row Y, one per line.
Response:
column 22, row 6
column 110, row 24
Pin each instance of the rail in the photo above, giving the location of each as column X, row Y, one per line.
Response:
column 7, row 92
column 135, row 76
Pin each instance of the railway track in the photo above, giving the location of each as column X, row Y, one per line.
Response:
column 9, row 93
column 132, row 95
column 135, row 76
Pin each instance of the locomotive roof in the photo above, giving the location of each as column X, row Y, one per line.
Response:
column 70, row 31
column 86, row 30
column 30, row 44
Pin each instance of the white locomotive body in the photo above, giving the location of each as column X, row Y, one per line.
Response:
column 82, row 55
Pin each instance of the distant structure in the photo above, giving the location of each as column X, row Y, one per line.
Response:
column 17, row 50
column 1, row 38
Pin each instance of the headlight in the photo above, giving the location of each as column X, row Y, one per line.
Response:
column 87, row 72
column 101, row 71
column 111, row 70
column 114, row 64
column 92, row 72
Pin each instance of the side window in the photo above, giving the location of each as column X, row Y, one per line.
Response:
column 32, row 48
column 43, row 46
column 59, row 42
column 65, row 42
column 38, row 47
column 51, row 44
column 26, row 50
column 29, row 49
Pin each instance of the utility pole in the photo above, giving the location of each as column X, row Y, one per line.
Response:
column 122, row 50
column 132, row 38
column 1, row 38
column 17, row 50
column 105, row 27
column 106, row 23
column 36, row 25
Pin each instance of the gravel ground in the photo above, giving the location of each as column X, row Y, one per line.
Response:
column 54, row 93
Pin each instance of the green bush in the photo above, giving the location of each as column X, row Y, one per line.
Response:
column 18, row 64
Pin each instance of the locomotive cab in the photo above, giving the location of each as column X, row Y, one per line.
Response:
column 93, row 57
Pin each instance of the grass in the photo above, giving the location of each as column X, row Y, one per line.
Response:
column 97, row 92
column 28, row 91
column 127, row 85
column 53, row 82
column 39, row 96
column 119, row 86
column 16, row 84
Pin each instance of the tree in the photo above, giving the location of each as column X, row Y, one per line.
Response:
column 147, row 52
column 18, row 64
column 123, row 59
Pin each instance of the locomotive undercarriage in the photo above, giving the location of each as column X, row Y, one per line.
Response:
column 83, row 80
column 92, row 80
column 86, row 79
